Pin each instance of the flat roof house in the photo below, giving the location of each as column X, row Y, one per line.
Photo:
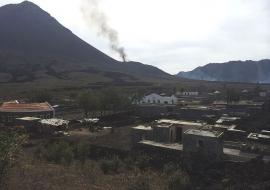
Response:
column 203, row 143
column 10, row 111
column 166, row 130
column 259, row 138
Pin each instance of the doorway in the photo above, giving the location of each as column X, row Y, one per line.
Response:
column 178, row 134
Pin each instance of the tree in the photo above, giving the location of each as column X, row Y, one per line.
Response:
column 232, row 96
column 109, row 99
column 89, row 102
column 114, row 99
column 137, row 96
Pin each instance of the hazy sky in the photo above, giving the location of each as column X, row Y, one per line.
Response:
column 175, row 35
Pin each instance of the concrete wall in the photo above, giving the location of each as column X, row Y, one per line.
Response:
column 177, row 112
column 30, row 126
column 162, row 134
column 10, row 117
column 137, row 135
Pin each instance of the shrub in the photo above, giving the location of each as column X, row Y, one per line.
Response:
column 143, row 161
column 58, row 152
column 89, row 170
column 110, row 166
column 10, row 144
column 179, row 180
column 140, row 183
column 129, row 163
column 169, row 168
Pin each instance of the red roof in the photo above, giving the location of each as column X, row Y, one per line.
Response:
column 25, row 107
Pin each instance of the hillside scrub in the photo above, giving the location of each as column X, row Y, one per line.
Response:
column 10, row 146
column 111, row 99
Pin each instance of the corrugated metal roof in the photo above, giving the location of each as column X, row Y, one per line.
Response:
column 25, row 107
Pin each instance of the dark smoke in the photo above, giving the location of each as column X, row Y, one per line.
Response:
column 94, row 16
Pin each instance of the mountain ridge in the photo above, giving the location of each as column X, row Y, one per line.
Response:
column 233, row 71
column 33, row 43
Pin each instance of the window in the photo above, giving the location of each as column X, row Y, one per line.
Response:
column 200, row 144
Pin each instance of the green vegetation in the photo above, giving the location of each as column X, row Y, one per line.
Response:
column 178, row 180
column 89, row 170
column 89, row 102
column 10, row 145
column 90, row 167
column 110, row 165
column 40, row 96
column 142, row 161
column 140, row 183
column 57, row 152
column 169, row 168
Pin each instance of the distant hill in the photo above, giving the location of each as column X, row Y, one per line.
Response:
column 233, row 71
column 34, row 47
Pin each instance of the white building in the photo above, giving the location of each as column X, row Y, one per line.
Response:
column 159, row 99
column 262, row 94
column 187, row 93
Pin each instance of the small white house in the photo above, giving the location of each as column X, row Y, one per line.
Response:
column 187, row 93
column 217, row 92
column 262, row 94
column 159, row 99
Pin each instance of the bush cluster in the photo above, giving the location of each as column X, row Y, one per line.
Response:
column 111, row 166
column 58, row 152
column 11, row 143
column 62, row 152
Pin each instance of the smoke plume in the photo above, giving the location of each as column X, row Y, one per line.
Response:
column 94, row 16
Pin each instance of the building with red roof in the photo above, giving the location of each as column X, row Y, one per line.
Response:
column 10, row 111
